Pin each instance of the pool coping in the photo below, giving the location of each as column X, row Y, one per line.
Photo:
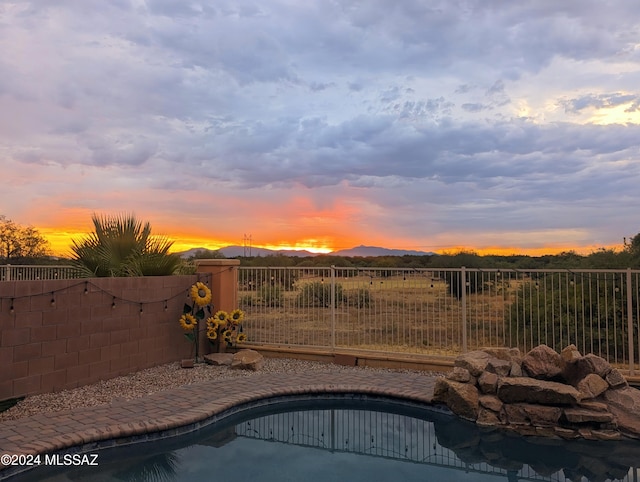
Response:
column 188, row 408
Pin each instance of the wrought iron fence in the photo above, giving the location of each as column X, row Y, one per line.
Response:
column 444, row 311
column 10, row 272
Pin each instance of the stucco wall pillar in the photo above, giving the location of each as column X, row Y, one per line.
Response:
column 224, row 281
column 224, row 288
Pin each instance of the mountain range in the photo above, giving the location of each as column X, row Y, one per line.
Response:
column 235, row 251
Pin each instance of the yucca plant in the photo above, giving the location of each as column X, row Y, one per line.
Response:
column 123, row 246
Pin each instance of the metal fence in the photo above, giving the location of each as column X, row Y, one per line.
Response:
column 444, row 311
column 10, row 272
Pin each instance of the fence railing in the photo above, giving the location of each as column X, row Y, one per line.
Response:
column 444, row 311
column 10, row 272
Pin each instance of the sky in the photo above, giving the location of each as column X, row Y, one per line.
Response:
column 492, row 125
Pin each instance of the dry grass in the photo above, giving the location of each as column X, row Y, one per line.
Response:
column 399, row 314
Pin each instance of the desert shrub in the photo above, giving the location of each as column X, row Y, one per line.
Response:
column 319, row 294
column 247, row 300
column 271, row 295
column 360, row 298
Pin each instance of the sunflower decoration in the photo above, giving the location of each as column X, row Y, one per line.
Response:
column 200, row 294
column 188, row 322
column 236, row 316
column 193, row 313
column 226, row 327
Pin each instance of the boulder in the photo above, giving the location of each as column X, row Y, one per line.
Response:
column 474, row 361
column 488, row 382
column 576, row 370
column 218, row 358
column 624, row 404
column 247, row 360
column 529, row 414
column 570, row 354
column 487, row 418
column 506, row 354
column 459, row 374
column 491, row 402
column 524, row 389
column 592, row 386
column 461, row 398
column 615, row 379
column 583, row 415
column 543, row 363
column 516, row 369
column 502, row 368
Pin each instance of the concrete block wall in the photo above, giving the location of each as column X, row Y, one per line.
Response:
column 62, row 334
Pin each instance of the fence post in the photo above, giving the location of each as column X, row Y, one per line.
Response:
column 463, row 301
column 333, row 308
column 630, row 322
column 8, row 271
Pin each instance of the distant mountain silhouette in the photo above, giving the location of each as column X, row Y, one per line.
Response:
column 377, row 251
column 235, row 251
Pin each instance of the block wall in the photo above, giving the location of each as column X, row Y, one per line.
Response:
column 62, row 334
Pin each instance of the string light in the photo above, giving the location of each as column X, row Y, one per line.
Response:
column 87, row 290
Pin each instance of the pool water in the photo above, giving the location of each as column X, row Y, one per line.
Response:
column 355, row 440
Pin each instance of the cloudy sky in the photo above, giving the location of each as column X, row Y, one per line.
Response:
column 416, row 124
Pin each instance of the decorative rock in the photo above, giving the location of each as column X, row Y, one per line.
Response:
column 488, row 382
column 570, row 354
column 459, row 374
column 484, row 388
column 583, row 415
column 502, row 368
column 528, row 414
column 543, row 363
column 592, row 386
column 247, row 360
column 575, row 371
column 522, row 389
column 461, row 398
column 516, row 370
column 624, row 404
column 507, row 354
column 187, row 363
column 491, row 402
column 594, row 406
column 474, row 361
column 615, row 379
column 218, row 358
column 487, row 418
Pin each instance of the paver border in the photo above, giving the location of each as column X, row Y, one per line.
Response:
column 189, row 408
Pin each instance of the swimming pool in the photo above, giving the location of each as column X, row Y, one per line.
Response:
column 355, row 439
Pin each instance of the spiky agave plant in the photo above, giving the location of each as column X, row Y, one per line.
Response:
column 123, row 246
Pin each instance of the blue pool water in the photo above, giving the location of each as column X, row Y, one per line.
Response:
column 354, row 440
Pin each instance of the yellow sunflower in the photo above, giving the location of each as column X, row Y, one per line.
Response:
column 201, row 294
column 227, row 334
column 221, row 317
column 236, row 316
column 188, row 322
column 212, row 323
column 241, row 338
column 212, row 334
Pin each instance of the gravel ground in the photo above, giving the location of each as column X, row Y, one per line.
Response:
column 157, row 379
